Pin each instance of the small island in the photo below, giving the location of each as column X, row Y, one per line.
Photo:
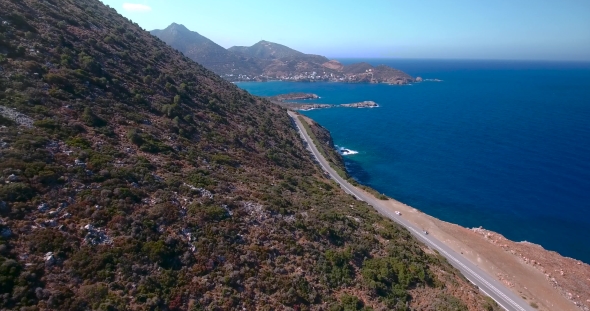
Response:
column 293, row 96
column 306, row 107
column 363, row 104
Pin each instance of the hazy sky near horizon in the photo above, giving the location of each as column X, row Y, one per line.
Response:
column 457, row 29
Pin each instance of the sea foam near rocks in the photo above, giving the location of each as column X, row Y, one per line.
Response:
column 345, row 151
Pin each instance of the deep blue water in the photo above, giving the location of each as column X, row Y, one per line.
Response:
column 503, row 145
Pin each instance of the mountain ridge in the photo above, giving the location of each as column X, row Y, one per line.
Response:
column 266, row 50
column 208, row 53
column 266, row 60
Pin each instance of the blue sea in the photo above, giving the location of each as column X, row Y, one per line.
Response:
column 500, row 144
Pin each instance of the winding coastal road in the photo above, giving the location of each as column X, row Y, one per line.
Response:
column 487, row 284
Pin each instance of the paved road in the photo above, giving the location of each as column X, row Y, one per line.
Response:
column 487, row 284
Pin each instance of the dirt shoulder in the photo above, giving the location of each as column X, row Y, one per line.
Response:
column 543, row 278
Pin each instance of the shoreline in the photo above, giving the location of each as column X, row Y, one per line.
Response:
column 526, row 268
column 343, row 82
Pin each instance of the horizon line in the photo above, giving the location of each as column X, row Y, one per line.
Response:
column 464, row 59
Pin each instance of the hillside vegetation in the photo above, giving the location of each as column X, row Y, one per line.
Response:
column 134, row 179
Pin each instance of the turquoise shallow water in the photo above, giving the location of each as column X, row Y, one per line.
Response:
column 503, row 145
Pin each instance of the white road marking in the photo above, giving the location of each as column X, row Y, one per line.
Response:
column 492, row 287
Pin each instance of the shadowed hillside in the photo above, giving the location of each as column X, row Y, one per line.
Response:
column 135, row 179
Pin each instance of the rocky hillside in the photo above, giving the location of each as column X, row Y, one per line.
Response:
column 135, row 179
column 267, row 60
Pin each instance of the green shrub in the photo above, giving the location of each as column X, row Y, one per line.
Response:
column 91, row 119
column 349, row 303
column 199, row 179
column 171, row 110
column 21, row 22
column 88, row 63
column 152, row 145
column 79, row 142
column 16, row 192
column 6, row 122
column 47, row 124
column 223, row 160
column 54, row 78
column 96, row 263
column 99, row 160
column 48, row 240
column 156, row 250
column 93, row 294
column 135, row 137
column 9, row 272
column 489, row 304
column 444, row 302
column 336, row 268
column 208, row 212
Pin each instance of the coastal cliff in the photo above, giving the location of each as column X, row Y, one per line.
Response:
column 323, row 139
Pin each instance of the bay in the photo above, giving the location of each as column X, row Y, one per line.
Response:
column 500, row 144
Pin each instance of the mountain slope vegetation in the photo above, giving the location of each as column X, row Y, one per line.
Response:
column 135, row 179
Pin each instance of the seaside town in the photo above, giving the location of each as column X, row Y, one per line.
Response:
column 368, row 76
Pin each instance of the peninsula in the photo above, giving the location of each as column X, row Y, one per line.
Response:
column 299, row 106
column 293, row 96
column 283, row 100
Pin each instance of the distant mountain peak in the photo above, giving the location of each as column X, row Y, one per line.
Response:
column 178, row 28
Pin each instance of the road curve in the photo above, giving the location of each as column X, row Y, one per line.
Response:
column 487, row 284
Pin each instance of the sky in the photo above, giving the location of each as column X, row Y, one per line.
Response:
column 450, row 29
